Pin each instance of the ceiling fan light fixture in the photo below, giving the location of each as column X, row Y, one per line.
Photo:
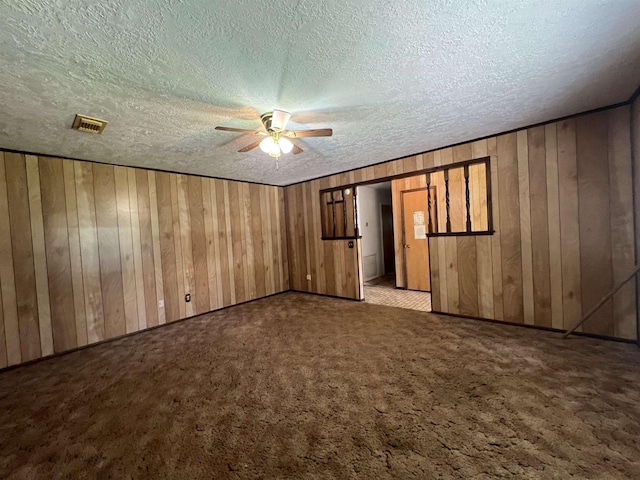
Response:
column 285, row 145
column 267, row 145
column 275, row 151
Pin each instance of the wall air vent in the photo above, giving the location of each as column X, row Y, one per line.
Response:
column 89, row 124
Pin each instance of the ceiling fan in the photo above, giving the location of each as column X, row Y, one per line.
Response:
column 276, row 139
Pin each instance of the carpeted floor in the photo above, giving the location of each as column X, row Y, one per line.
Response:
column 301, row 386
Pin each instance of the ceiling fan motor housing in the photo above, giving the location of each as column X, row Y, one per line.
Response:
column 266, row 120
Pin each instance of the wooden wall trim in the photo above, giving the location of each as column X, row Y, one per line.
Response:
column 156, row 170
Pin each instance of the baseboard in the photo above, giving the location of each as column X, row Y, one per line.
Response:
column 537, row 327
column 326, row 295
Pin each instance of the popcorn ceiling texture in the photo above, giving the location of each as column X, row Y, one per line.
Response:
column 391, row 78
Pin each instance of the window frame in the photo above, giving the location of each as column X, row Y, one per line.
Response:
column 427, row 172
column 353, row 195
column 465, row 166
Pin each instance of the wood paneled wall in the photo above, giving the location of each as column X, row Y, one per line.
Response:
column 331, row 264
column 90, row 251
column 635, row 142
column 563, row 216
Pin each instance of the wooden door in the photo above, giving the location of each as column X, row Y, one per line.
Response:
column 415, row 241
column 387, row 239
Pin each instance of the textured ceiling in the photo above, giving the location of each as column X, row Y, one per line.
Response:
column 391, row 78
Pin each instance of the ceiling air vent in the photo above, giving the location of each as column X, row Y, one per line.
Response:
column 89, row 124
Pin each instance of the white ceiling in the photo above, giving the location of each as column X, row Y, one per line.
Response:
column 391, row 78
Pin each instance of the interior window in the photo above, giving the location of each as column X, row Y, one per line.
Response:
column 459, row 202
column 338, row 210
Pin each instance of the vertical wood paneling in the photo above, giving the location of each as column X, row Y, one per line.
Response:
column 569, row 222
column 306, row 207
column 283, row 244
column 146, row 247
column 496, row 245
column 451, row 243
column 127, row 263
column 213, row 271
column 88, row 251
column 321, row 279
column 555, row 244
column 635, row 160
column 539, row 227
column 532, row 269
column 137, row 247
column 621, row 196
column 219, row 230
column 185, row 242
column 157, row 253
column 109, row 250
column 596, row 270
column 222, row 281
column 167, row 247
column 468, row 276
column 177, row 239
column 257, row 226
column 237, row 224
column 62, row 323
column 248, row 266
column 74, row 252
column 267, row 240
column 40, row 257
column 199, row 245
column 508, row 183
column 452, row 276
column 440, row 248
column 397, row 186
column 525, row 227
column 483, row 243
column 7, row 276
column 229, row 242
column 436, row 285
column 23, row 266
column 3, row 340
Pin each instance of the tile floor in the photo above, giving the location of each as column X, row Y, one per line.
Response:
column 382, row 291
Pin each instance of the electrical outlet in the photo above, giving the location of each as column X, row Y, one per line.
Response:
column 187, row 297
column 160, row 303
column 308, row 277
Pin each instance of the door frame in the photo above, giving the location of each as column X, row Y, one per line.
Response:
column 404, row 240
column 393, row 247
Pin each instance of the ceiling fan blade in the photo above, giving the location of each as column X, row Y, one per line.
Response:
column 296, row 149
column 250, row 146
column 321, row 132
column 240, row 130
column 279, row 119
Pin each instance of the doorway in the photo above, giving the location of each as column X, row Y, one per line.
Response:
column 379, row 221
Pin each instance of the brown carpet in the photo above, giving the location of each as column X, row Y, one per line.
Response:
column 300, row 386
